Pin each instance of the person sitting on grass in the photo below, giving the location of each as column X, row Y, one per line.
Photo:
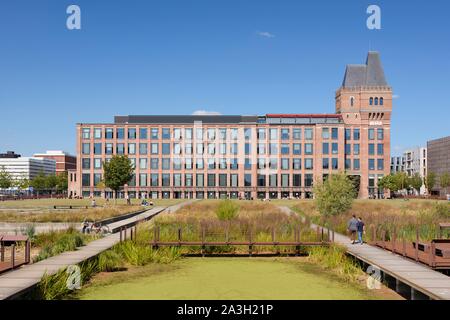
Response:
column 352, row 226
column 361, row 230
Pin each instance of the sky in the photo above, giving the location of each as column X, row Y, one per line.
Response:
column 224, row 56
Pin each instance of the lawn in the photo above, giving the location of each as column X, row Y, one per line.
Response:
column 228, row 278
column 42, row 210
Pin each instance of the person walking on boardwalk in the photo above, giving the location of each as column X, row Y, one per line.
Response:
column 361, row 230
column 352, row 226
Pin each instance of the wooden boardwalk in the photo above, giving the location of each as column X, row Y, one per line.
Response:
column 13, row 283
column 415, row 275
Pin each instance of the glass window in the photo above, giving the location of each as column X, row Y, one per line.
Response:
column 188, row 179
column 308, row 133
column 176, row 148
column 234, row 164
column 199, row 180
column 247, row 164
column 356, row 149
column 234, row 180
column 143, row 148
column 325, row 148
column 308, row 180
column 371, row 149
column 325, row 133
column 297, row 148
column 211, row 163
column 261, row 134
column 297, row 134
column 261, row 163
column 247, row 148
column 211, row 134
column 120, row 133
column 109, row 148
column 348, row 149
column 131, row 148
column 380, row 164
column 334, row 133
column 371, row 101
column 154, row 163
column 273, row 180
column 285, row 134
column 177, row 134
column 380, row 149
column 325, row 163
column 199, row 148
column 247, row 180
column 143, row 179
column 97, row 148
column 188, row 163
column 261, row 148
column 166, row 148
column 154, row 148
column 371, row 164
column 120, row 148
column 132, row 182
column 165, row 133
column 222, row 163
column 297, row 180
column 380, row 134
column 109, row 133
column 176, row 164
column 371, row 134
column 133, row 162
column 222, row 180
column 86, row 133
column 223, row 133
column 273, row 134
column 356, row 134
column 234, row 148
column 234, row 133
column 381, row 101
column 97, row 133
column 177, row 180
column 143, row 163
column 356, row 165
column 308, row 148
column 334, row 148
column 187, row 133
column 284, row 164
column 261, row 180
column 348, row 134
column 308, row 164
column 348, row 164
column 155, row 133
column 296, row 164
column 247, row 133
column 334, row 164
column 97, row 163
column 86, row 180
column 285, row 180
column 154, row 180
column 86, row 148
column 284, row 148
column 165, row 163
column 273, row 163
column 131, row 133
column 86, row 163
column 199, row 164
column 142, row 133
column 165, row 180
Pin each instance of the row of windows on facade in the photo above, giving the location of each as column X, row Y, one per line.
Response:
column 274, row 133
column 212, row 180
column 261, row 149
column 224, row 164
column 372, row 101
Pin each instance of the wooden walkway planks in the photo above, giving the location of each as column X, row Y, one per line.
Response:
column 432, row 283
column 15, row 282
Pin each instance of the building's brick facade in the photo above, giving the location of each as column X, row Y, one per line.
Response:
column 294, row 147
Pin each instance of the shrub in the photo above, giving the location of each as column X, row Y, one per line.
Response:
column 109, row 261
column 227, row 210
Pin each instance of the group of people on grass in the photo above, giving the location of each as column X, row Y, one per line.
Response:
column 356, row 226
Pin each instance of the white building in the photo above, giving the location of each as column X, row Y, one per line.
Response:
column 415, row 161
column 27, row 167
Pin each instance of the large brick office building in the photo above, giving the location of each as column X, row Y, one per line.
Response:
column 271, row 156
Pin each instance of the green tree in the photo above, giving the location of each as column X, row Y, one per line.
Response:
column 430, row 181
column 334, row 195
column 401, row 179
column 415, row 182
column 117, row 172
column 6, row 180
column 22, row 183
column 389, row 182
column 227, row 210
column 62, row 182
column 50, row 182
column 39, row 182
column 444, row 180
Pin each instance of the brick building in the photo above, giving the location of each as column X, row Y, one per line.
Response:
column 270, row 156
column 64, row 161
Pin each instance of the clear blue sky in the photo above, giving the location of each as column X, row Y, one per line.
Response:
column 176, row 57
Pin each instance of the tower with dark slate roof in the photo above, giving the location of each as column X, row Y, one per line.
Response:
column 365, row 102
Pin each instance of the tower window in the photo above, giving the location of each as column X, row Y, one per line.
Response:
column 376, row 101
column 352, row 101
column 371, row 101
column 381, row 101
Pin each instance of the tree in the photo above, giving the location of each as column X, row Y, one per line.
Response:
column 117, row 172
column 444, row 181
column 401, row 179
column 335, row 195
column 415, row 182
column 227, row 210
column 389, row 182
column 62, row 182
column 430, row 181
column 6, row 181
column 39, row 183
column 22, row 183
column 50, row 182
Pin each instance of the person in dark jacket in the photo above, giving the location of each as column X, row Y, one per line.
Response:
column 361, row 229
column 352, row 226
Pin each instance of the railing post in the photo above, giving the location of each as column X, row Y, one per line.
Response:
column 432, row 254
column 374, row 234
column 332, row 235
column 13, row 255
column 179, row 236
column 120, row 234
column 131, row 234
column 383, row 236
column 318, row 233
column 2, row 252
column 273, row 235
column 203, row 241
column 417, row 244
column 27, row 251
column 393, row 240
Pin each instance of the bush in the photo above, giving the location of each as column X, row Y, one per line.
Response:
column 227, row 210
column 66, row 242
column 109, row 261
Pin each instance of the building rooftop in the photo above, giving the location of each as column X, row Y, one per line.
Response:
column 9, row 155
column 370, row 74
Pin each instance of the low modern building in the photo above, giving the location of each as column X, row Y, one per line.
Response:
column 64, row 161
column 256, row 156
column 397, row 164
column 415, row 162
column 27, row 167
column 439, row 160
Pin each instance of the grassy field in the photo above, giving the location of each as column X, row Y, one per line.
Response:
column 228, row 278
column 42, row 210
